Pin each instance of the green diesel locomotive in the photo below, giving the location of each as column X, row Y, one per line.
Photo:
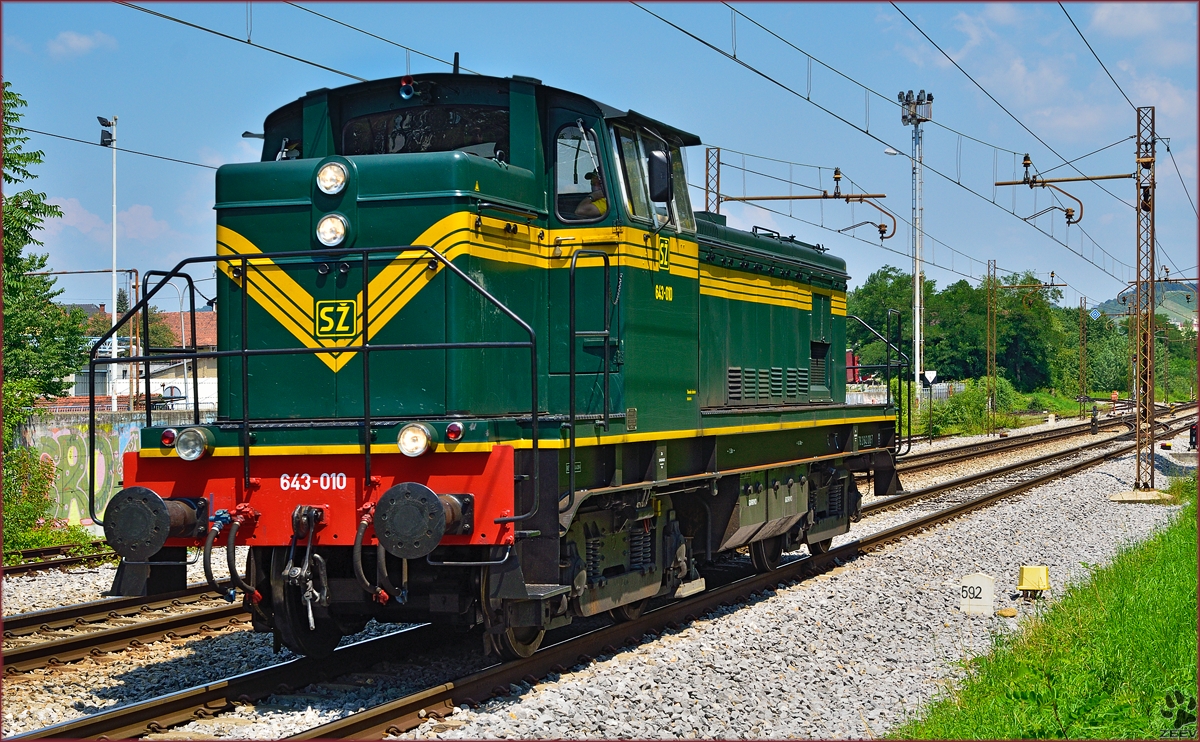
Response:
column 481, row 363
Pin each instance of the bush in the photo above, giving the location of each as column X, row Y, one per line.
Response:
column 28, row 502
column 28, row 486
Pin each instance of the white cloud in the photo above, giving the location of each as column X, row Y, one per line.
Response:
column 17, row 43
column 135, row 223
column 1130, row 20
column 138, row 223
column 1002, row 13
column 79, row 218
column 71, row 44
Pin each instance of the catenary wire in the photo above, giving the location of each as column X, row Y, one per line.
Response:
column 898, row 217
column 1097, row 56
column 119, row 149
column 380, row 38
column 937, row 172
column 1185, row 188
column 1010, row 113
column 241, row 41
column 870, row 90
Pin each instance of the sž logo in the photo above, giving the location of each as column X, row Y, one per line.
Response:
column 336, row 319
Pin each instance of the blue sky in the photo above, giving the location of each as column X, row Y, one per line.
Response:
column 184, row 93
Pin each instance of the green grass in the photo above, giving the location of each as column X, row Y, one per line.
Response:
column 1099, row 663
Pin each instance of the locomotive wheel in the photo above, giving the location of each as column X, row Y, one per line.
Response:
column 516, row 643
column 291, row 615
column 820, row 547
column 767, row 554
column 629, row 611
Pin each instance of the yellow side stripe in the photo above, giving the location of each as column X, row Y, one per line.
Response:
column 549, row 444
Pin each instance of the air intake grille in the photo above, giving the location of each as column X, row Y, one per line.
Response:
column 733, row 385
column 777, row 383
column 797, row 382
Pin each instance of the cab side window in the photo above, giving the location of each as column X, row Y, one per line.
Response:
column 633, row 168
column 682, row 205
column 580, row 192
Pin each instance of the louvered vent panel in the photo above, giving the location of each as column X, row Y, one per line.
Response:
column 818, row 371
column 764, row 383
column 733, row 385
column 801, row 382
column 749, row 385
column 777, row 383
column 792, row 383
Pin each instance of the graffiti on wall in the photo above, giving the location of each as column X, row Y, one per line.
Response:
column 62, row 439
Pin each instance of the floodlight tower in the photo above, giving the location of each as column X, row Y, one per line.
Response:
column 915, row 110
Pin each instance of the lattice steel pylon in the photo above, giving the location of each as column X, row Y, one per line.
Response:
column 712, row 180
column 1143, row 379
column 991, row 347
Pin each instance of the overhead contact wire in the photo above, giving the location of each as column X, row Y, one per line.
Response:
column 785, row 87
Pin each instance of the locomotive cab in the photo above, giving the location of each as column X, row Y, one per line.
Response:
column 480, row 364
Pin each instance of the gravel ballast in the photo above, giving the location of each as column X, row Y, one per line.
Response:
column 847, row 654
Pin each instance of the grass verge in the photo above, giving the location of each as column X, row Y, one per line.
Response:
column 1100, row 662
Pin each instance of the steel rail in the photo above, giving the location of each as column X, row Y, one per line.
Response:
column 404, row 714
column 949, row 454
column 71, row 648
column 158, row 714
column 50, row 557
column 171, row 709
column 970, row 479
column 22, row 624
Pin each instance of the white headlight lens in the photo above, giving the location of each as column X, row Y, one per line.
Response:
column 193, row 443
column 331, row 178
column 331, row 230
column 414, row 439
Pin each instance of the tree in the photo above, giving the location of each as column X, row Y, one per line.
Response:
column 161, row 335
column 887, row 288
column 956, row 332
column 43, row 343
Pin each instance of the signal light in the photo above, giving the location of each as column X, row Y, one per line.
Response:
column 406, row 87
column 454, row 432
column 168, row 437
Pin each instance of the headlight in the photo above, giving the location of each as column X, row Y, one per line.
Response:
column 331, row 178
column 194, row 443
column 414, row 439
column 331, row 230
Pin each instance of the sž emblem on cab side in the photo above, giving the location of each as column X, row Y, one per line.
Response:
column 337, row 318
column 664, row 253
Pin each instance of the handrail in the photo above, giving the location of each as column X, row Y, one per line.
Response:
column 182, row 344
column 574, row 335
column 244, row 262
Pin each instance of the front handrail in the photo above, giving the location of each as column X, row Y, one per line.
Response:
column 574, row 335
column 242, row 279
column 903, row 363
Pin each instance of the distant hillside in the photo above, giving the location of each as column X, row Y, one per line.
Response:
column 1172, row 300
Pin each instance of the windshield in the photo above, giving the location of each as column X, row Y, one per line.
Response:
column 480, row 130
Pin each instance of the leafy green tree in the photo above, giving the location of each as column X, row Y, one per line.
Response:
column 43, row 342
column 956, row 332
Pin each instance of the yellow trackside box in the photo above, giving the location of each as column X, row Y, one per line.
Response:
column 1034, row 578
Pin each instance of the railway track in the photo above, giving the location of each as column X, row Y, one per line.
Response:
column 56, row 636
column 402, row 714
column 953, row 454
column 55, row 557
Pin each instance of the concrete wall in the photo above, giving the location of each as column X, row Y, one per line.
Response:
column 62, row 438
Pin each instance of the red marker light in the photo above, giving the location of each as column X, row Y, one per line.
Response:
column 454, row 432
column 168, row 437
